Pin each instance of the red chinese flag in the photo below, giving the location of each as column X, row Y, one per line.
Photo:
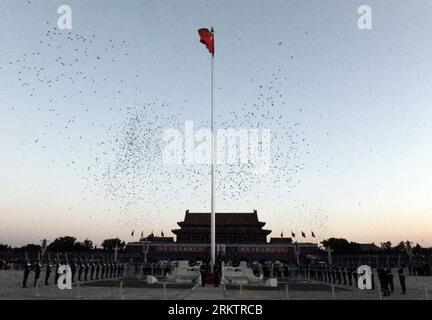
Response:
column 207, row 38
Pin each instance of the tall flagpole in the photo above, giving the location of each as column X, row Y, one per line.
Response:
column 213, row 214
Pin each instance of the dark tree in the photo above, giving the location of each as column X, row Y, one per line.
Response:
column 31, row 248
column 400, row 247
column 63, row 244
column 85, row 246
column 387, row 246
column 341, row 246
column 418, row 249
column 4, row 247
column 110, row 244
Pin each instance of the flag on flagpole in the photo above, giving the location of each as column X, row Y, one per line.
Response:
column 132, row 233
column 207, row 38
column 313, row 234
column 281, row 234
column 303, row 234
column 292, row 234
column 162, row 234
column 142, row 234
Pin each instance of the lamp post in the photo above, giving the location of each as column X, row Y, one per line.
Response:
column 146, row 249
column 297, row 253
column 116, row 248
column 329, row 257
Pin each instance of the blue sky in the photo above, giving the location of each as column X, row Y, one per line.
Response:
column 362, row 97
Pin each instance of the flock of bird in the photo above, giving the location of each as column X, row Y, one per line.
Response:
column 119, row 155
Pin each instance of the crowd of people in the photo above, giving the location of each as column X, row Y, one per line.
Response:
column 349, row 276
column 81, row 270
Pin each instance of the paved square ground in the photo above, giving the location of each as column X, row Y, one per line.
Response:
column 10, row 288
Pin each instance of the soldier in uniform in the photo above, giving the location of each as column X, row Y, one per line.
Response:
column 73, row 269
column 48, row 272
column 349, row 271
column 97, row 269
column 390, row 278
column 80, row 270
column 324, row 271
column 166, row 270
column 120, row 266
column 37, row 272
column 382, row 276
column 110, row 268
column 116, row 267
column 107, row 269
column 203, row 271
column 216, row 274
column 115, row 273
column 123, row 267
column 402, row 279
column 119, row 269
column 333, row 273
column 276, row 270
column 86, row 270
column 295, row 267
column 92, row 268
column 27, row 270
column 344, row 275
column 111, row 272
column 355, row 275
column 57, row 266
column 103, row 270
column 339, row 274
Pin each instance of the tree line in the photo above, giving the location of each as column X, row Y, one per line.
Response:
column 68, row 244
column 343, row 246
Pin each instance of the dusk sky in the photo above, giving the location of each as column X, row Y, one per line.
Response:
column 359, row 103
